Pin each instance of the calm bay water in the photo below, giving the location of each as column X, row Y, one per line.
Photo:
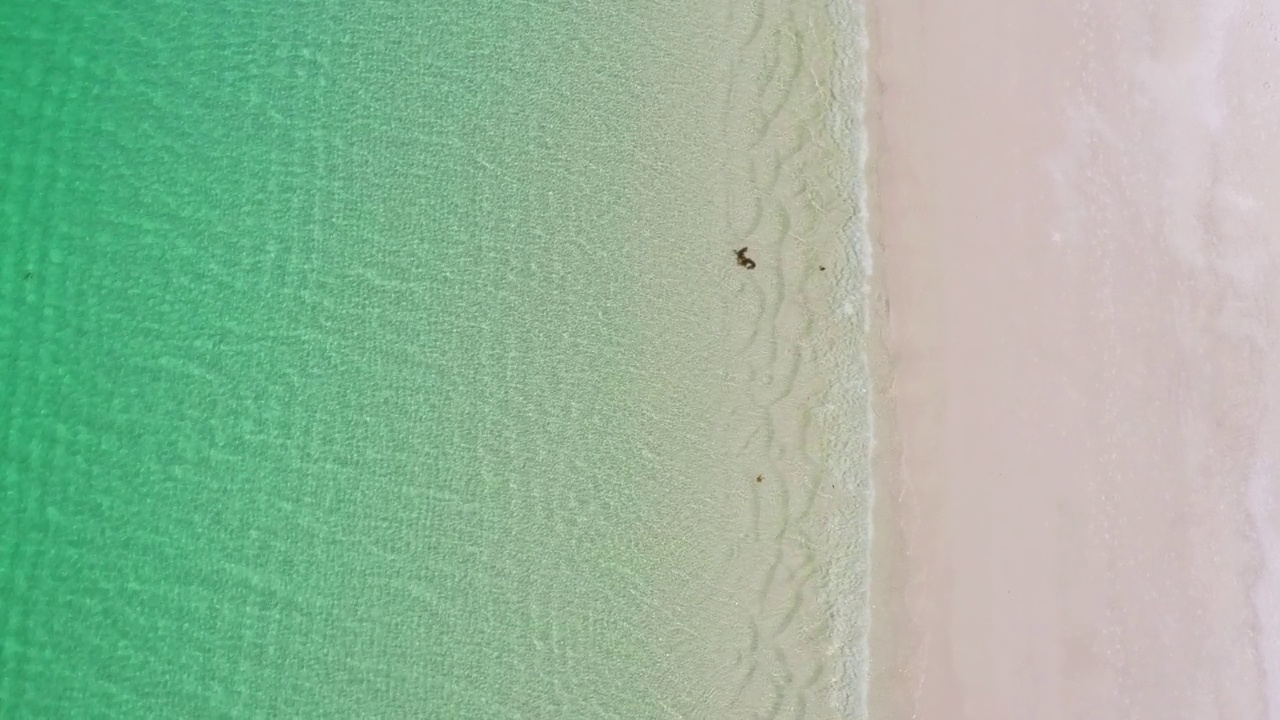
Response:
column 342, row 369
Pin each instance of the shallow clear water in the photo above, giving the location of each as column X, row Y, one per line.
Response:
column 353, row 358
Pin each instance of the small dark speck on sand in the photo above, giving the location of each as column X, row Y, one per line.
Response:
column 759, row 478
column 822, row 267
column 743, row 260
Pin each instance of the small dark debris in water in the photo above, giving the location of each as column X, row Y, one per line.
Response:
column 759, row 478
column 743, row 260
column 27, row 275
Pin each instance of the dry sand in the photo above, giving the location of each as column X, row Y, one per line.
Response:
column 1076, row 212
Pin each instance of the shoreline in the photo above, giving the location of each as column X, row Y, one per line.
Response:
column 851, row 600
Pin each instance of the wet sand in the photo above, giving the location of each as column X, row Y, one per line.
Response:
column 1075, row 284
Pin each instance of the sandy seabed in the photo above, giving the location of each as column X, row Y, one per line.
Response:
column 795, row 416
column 1076, row 218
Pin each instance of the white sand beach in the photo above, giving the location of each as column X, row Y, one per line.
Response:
column 1076, row 213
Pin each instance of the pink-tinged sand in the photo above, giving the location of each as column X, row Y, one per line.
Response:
column 1076, row 212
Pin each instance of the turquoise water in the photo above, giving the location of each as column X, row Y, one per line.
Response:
column 336, row 374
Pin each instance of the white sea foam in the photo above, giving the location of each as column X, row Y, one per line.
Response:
column 851, row 604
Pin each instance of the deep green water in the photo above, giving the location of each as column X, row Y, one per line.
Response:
column 323, row 356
